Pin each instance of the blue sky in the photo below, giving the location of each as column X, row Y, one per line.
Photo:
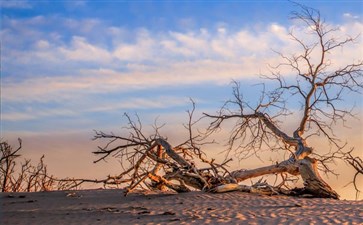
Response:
column 66, row 60
column 74, row 66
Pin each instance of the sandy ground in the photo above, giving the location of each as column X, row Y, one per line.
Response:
column 111, row 207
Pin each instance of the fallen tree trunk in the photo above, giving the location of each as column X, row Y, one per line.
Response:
column 283, row 167
column 161, row 166
column 314, row 185
column 154, row 164
column 188, row 175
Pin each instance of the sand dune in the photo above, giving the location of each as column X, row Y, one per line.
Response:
column 111, row 207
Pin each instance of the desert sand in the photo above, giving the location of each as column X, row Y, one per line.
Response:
column 112, row 207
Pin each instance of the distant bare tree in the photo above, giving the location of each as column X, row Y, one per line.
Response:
column 17, row 176
column 7, row 164
column 150, row 162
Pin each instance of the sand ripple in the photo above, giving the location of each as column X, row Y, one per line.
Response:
column 111, row 207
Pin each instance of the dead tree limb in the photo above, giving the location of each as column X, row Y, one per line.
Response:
column 357, row 163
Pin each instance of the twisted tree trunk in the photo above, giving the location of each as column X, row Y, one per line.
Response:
column 307, row 168
column 313, row 182
column 298, row 164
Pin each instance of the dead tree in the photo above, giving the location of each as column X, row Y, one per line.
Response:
column 20, row 175
column 7, row 163
column 317, row 86
column 150, row 162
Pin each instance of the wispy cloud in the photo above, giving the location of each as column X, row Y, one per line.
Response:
column 81, row 50
column 78, row 106
column 350, row 16
column 50, row 67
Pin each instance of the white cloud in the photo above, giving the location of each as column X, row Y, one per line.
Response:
column 222, row 30
column 79, row 105
column 146, row 60
column 190, row 41
column 221, row 47
column 143, row 48
column 16, row 116
column 157, row 102
column 42, row 44
column 81, row 50
column 350, row 16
